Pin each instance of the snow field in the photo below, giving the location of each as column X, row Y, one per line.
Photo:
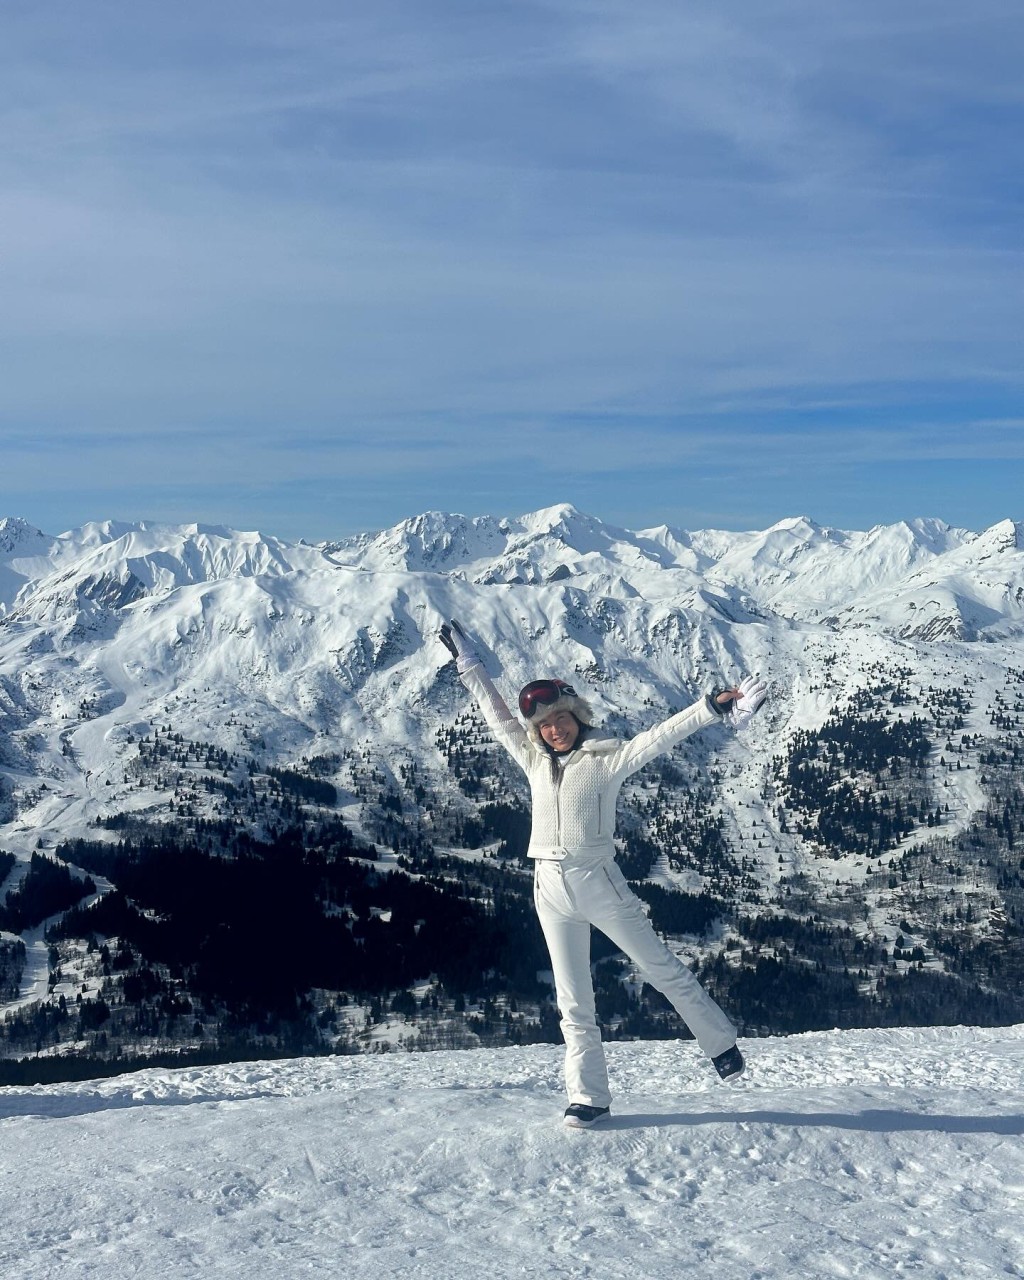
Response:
column 856, row 1154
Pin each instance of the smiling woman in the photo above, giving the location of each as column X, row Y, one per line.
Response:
column 575, row 773
column 555, row 713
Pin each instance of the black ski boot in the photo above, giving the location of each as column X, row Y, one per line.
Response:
column 580, row 1116
column 729, row 1065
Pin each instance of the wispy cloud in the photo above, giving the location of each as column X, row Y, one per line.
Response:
column 256, row 246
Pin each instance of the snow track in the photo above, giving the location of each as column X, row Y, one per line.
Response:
column 858, row 1154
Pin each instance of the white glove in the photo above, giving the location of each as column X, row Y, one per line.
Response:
column 459, row 646
column 741, row 710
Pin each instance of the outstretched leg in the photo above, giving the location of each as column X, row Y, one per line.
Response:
column 602, row 893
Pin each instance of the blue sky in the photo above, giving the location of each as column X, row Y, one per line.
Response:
column 315, row 267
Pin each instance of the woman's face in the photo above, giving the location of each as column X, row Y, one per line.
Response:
column 559, row 730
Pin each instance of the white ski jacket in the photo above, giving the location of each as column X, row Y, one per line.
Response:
column 574, row 802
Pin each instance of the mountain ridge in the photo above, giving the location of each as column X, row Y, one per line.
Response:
column 161, row 678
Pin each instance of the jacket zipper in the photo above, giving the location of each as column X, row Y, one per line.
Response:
column 558, row 808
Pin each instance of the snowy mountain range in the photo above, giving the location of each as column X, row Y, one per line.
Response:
column 286, row 653
column 111, row 626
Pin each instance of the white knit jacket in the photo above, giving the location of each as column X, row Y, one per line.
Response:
column 574, row 805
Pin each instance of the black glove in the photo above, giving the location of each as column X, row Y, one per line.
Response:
column 459, row 646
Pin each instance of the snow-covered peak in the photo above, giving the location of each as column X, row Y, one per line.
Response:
column 560, row 513
column 933, row 582
column 1006, row 535
column 103, row 567
column 162, row 554
column 527, row 549
column 562, row 520
column 801, row 526
column 804, row 569
column 571, row 528
column 17, row 536
column 432, row 542
column 24, row 552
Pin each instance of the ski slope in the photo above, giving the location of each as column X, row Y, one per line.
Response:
column 843, row 1154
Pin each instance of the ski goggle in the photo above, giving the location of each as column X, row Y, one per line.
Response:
column 543, row 693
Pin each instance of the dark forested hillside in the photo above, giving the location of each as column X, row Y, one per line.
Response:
column 357, row 903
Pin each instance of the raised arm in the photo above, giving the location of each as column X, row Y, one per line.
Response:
column 638, row 751
column 734, row 707
column 502, row 723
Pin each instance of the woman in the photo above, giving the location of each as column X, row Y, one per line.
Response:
column 575, row 774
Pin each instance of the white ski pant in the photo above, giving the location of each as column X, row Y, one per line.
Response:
column 569, row 899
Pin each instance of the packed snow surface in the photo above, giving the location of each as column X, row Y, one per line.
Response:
column 842, row 1154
